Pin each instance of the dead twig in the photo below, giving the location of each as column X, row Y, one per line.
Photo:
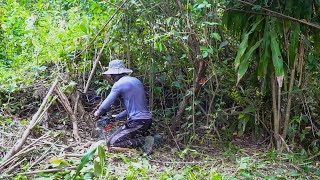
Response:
column 24, row 150
column 42, row 171
column 40, row 158
column 13, row 159
column 284, row 16
column 94, row 68
column 173, row 138
column 14, row 166
column 119, row 149
column 73, row 155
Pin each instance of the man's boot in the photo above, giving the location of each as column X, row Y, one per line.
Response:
column 148, row 144
column 151, row 142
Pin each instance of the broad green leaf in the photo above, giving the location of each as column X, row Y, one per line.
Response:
column 294, row 43
column 276, row 58
column 263, row 63
column 201, row 6
column 293, row 173
column 256, row 7
column 205, row 54
column 245, row 63
column 244, row 44
column 177, row 84
column 206, row 51
column 58, row 161
column 23, row 122
column 101, row 153
column 249, row 109
column 11, row 88
column 215, row 176
column 160, row 46
column 83, row 28
column 216, row 36
column 242, row 48
column 84, row 161
column 97, row 169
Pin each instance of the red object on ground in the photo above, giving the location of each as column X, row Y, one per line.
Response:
column 107, row 128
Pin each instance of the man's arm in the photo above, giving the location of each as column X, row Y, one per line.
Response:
column 106, row 104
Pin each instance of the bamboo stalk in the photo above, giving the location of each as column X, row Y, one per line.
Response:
column 14, row 166
column 275, row 111
column 287, row 115
column 94, row 68
column 40, row 158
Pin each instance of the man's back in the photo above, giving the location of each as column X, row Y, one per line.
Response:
column 133, row 96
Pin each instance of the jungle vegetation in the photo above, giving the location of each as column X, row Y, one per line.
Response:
column 233, row 86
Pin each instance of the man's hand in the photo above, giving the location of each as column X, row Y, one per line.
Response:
column 96, row 114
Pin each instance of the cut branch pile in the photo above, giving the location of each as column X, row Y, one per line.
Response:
column 36, row 117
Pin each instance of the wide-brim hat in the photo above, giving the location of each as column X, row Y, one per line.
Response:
column 117, row 67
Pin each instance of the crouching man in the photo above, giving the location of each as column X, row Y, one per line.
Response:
column 134, row 132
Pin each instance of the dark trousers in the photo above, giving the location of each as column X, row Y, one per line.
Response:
column 131, row 134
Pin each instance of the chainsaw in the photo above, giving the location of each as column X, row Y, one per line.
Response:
column 103, row 125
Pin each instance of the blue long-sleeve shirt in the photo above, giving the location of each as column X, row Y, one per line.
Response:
column 132, row 94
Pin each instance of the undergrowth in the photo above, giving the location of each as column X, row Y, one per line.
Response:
column 168, row 163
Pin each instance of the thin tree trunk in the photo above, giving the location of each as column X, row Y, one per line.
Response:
column 82, row 113
column 66, row 104
column 94, row 68
column 64, row 100
column 199, row 66
column 276, row 122
column 292, row 77
column 301, row 62
column 195, row 89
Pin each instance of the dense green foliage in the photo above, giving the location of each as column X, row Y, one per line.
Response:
column 212, row 69
column 284, row 50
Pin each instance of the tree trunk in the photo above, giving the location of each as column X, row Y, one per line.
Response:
column 276, row 120
column 66, row 104
column 185, row 101
column 292, row 77
column 83, row 114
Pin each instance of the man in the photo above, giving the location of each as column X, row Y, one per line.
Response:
column 131, row 91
